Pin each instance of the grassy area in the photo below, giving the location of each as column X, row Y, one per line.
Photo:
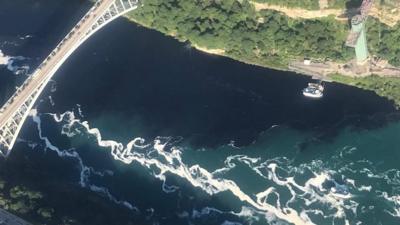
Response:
column 388, row 87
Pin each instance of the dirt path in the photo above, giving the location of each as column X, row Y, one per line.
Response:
column 298, row 12
column 387, row 16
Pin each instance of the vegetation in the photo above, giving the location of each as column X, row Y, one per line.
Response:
column 256, row 37
column 384, row 86
column 23, row 201
column 268, row 38
column 384, row 41
column 59, row 200
column 265, row 38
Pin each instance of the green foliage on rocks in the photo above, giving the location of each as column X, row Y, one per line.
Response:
column 22, row 192
column 23, row 201
column 2, row 184
column 45, row 212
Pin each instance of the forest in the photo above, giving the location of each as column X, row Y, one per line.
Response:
column 265, row 38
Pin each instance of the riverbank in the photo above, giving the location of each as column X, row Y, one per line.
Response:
column 212, row 51
column 241, row 40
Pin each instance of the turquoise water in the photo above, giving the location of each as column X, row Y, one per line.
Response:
column 137, row 128
column 270, row 175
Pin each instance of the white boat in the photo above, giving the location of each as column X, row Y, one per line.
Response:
column 314, row 90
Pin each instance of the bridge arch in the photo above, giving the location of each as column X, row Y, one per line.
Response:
column 15, row 111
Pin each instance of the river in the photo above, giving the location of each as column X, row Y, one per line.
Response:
column 138, row 128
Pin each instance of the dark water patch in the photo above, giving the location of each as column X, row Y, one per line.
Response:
column 155, row 85
column 7, row 84
column 71, row 203
column 46, row 21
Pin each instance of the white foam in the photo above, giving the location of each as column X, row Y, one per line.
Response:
column 85, row 171
column 365, row 188
column 155, row 156
column 248, row 213
column 9, row 62
column 395, row 200
column 171, row 162
column 205, row 211
column 51, row 101
column 232, row 144
column 4, row 60
column 226, row 222
column 26, row 37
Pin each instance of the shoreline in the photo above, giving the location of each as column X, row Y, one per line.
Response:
column 216, row 52
column 354, row 81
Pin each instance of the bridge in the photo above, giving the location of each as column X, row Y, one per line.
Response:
column 15, row 111
column 7, row 218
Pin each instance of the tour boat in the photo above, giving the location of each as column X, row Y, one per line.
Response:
column 314, row 90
